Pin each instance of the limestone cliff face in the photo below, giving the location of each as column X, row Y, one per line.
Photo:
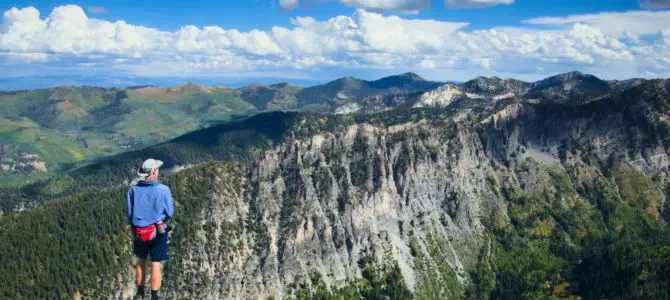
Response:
column 318, row 206
column 412, row 195
column 617, row 126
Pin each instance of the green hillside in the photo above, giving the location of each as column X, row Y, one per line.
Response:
column 237, row 141
column 72, row 126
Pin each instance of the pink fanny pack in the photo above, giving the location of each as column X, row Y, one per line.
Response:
column 149, row 233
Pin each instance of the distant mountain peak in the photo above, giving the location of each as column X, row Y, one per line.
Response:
column 482, row 80
column 256, row 85
column 281, row 85
column 574, row 75
column 495, row 86
column 137, row 87
column 11, row 93
column 571, row 76
column 285, row 87
column 190, row 87
column 346, row 82
column 411, row 75
column 564, row 86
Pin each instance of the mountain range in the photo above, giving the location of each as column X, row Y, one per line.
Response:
column 66, row 127
column 71, row 126
column 397, row 188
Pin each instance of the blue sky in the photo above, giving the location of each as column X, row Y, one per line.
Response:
column 263, row 14
column 304, row 41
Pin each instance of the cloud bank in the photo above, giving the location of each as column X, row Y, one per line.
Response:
column 67, row 40
column 406, row 6
column 655, row 4
column 616, row 24
column 475, row 3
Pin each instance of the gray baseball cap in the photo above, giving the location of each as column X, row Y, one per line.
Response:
column 149, row 165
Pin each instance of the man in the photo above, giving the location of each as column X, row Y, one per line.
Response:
column 149, row 206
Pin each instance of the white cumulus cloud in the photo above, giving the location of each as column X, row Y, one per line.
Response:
column 25, row 57
column 362, row 41
column 406, row 6
column 619, row 23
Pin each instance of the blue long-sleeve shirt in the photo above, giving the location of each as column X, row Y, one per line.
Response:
column 148, row 203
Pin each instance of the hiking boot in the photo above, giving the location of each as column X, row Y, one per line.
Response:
column 138, row 296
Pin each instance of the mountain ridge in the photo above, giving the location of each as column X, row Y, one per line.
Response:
column 656, row 90
column 77, row 124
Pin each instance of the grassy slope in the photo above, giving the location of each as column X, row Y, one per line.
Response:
column 52, row 146
column 95, row 122
column 239, row 142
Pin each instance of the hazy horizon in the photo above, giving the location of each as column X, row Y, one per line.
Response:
column 32, row 83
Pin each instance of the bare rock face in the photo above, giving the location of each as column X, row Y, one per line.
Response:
column 320, row 205
column 441, row 97
column 13, row 160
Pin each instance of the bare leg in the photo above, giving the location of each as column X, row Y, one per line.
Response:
column 141, row 269
column 155, row 276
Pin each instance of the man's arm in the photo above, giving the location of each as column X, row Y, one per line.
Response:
column 129, row 206
column 169, row 206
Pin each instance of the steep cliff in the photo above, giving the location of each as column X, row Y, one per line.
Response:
column 319, row 206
